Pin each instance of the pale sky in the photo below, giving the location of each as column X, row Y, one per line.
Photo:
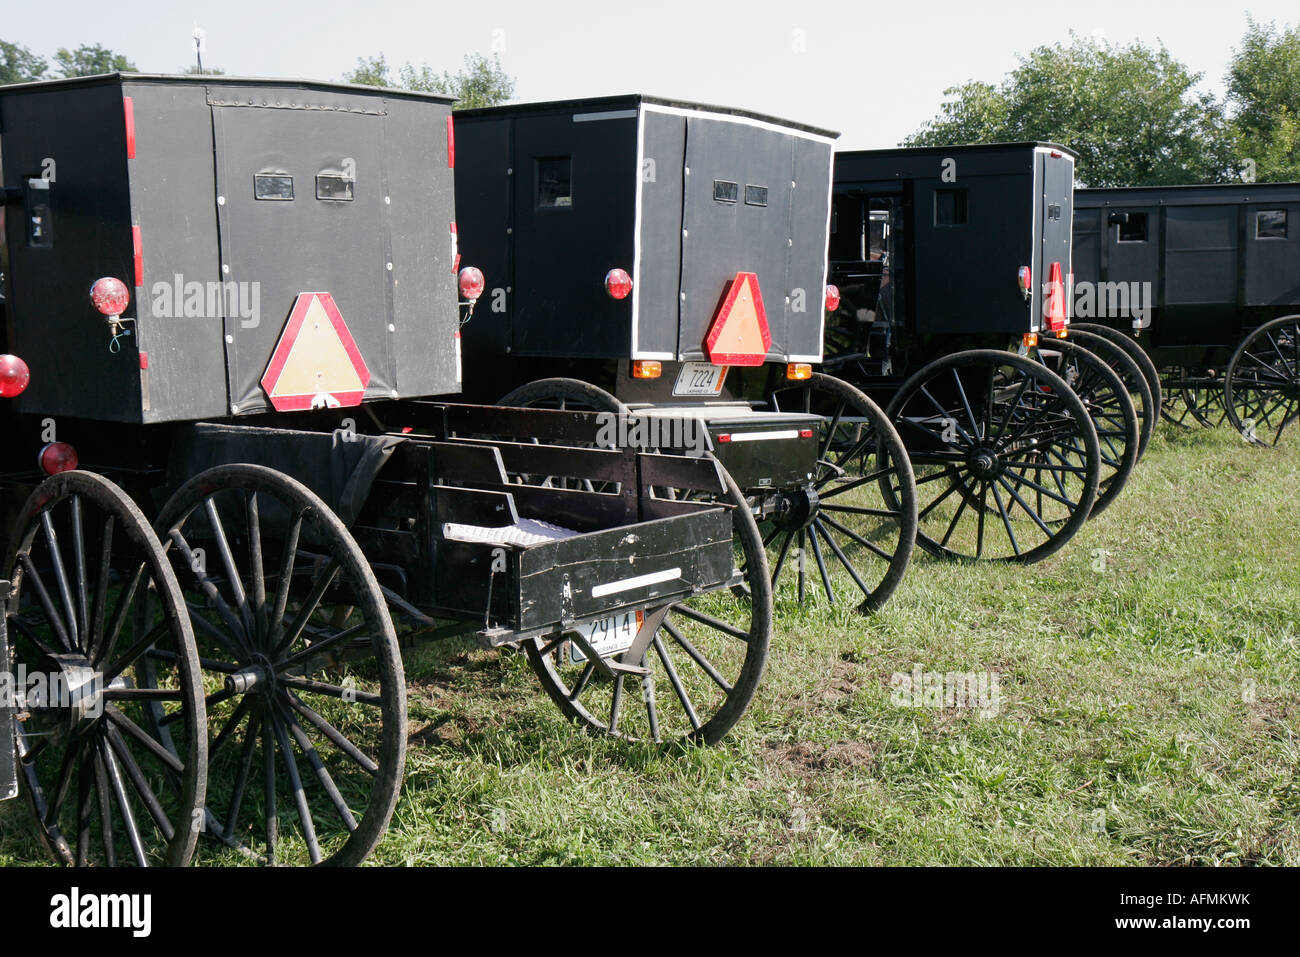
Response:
column 875, row 71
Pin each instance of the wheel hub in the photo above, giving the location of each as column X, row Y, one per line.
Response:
column 795, row 509
column 259, row 676
column 985, row 464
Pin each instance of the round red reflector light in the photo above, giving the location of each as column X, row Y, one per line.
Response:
column 618, row 283
column 832, row 297
column 110, row 296
column 14, row 376
column 57, row 457
column 471, row 283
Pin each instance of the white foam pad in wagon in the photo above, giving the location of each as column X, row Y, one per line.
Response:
column 527, row 531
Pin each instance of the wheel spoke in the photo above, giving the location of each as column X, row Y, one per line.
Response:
column 676, row 682
column 698, row 658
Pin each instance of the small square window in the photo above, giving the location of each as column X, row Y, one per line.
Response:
column 725, row 192
column 334, row 186
column 1270, row 224
column 1133, row 228
column 273, row 186
column 555, row 182
column 755, row 195
column 950, row 207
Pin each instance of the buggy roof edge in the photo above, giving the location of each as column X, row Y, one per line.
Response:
column 1181, row 191
column 638, row 99
column 220, row 79
column 972, row 147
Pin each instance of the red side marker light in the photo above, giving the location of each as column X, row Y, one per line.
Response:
column 57, row 457
column 471, row 283
column 618, row 283
column 832, row 297
column 14, row 376
column 110, row 296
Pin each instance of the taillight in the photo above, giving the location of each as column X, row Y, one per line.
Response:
column 832, row 297
column 451, row 144
column 647, row 369
column 618, row 283
column 1029, row 340
column 14, row 376
column 471, row 283
column 57, row 457
column 110, row 296
column 1025, row 277
column 798, row 370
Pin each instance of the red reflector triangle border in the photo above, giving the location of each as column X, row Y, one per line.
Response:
column 316, row 362
column 740, row 335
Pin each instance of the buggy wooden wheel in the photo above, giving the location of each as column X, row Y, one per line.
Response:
column 699, row 670
column 1112, row 411
column 860, row 542
column 1192, row 398
column 1134, row 351
column 989, row 432
column 112, row 754
column 1130, row 373
column 1261, row 388
column 306, row 696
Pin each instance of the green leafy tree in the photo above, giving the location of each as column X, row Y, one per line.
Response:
column 19, row 64
column 1131, row 112
column 193, row 70
column 1264, row 95
column 482, row 81
column 87, row 60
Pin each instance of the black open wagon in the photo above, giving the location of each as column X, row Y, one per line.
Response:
column 268, row 506
column 953, row 268
column 1207, row 280
column 665, row 262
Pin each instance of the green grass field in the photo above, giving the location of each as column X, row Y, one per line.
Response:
column 1149, row 713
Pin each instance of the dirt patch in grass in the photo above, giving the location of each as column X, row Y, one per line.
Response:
column 807, row 759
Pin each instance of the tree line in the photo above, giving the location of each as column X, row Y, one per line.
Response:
column 481, row 81
column 1133, row 113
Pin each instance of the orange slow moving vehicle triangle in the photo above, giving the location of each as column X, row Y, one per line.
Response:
column 739, row 335
column 316, row 363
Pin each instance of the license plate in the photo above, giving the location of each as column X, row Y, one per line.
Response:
column 700, row 378
column 608, row 636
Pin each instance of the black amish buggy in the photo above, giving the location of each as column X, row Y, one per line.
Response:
column 233, row 297
column 953, row 269
column 1207, row 280
column 665, row 262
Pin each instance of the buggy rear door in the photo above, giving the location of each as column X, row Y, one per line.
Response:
column 1054, row 170
column 301, row 207
column 756, row 200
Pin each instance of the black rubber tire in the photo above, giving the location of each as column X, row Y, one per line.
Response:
column 1119, row 359
column 973, row 460
column 254, row 624
column 117, row 757
column 545, row 656
column 1263, row 381
column 562, row 393
column 1134, row 350
column 1113, row 414
column 874, row 452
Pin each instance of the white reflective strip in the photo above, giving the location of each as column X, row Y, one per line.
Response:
column 804, row 358
column 742, row 120
column 608, row 115
column 636, row 243
column 758, row 436
column 640, row 581
column 655, row 355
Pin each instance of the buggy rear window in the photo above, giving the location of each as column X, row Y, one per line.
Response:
column 335, row 186
column 1270, row 224
column 555, row 182
column 950, row 208
column 1133, row 228
column 725, row 191
column 273, row 186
